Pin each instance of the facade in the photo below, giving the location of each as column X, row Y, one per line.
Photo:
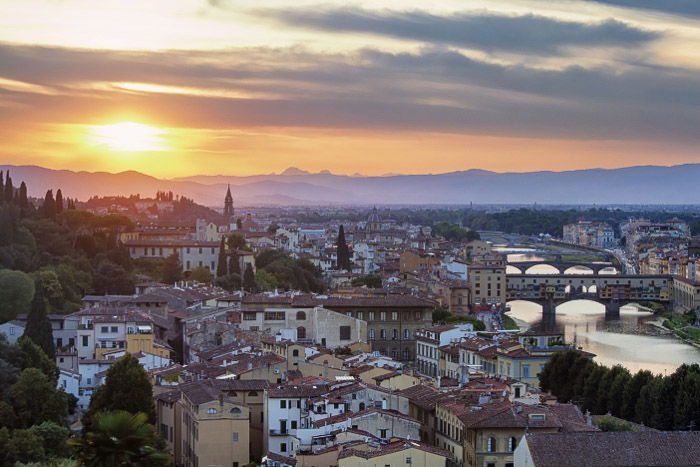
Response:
column 214, row 429
column 588, row 233
column 487, row 280
column 192, row 253
column 429, row 340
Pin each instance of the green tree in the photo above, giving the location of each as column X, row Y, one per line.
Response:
column 264, row 281
column 229, row 282
column 23, row 446
column 49, row 206
column 342, row 251
column 127, row 387
column 236, row 241
column 16, row 293
column 687, row 411
column 249, row 278
column 611, row 424
column 59, row 201
column 646, row 404
column 110, row 278
column 38, row 325
column 234, row 266
column 631, row 395
column 617, row 391
column 35, row 399
column 201, row 274
column 221, row 267
column 22, row 200
column 9, row 189
column 591, row 388
column 172, row 269
column 440, row 315
column 120, row 438
column 371, row 281
column 53, row 438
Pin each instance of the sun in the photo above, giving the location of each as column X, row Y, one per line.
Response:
column 128, row 136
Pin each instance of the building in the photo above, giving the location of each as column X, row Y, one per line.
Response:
column 214, row 428
column 191, row 253
column 642, row 448
column 487, row 280
column 429, row 340
column 396, row 453
column 588, row 233
column 487, row 434
column 410, row 261
column 228, row 204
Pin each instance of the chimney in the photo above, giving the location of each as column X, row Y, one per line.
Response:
column 221, row 399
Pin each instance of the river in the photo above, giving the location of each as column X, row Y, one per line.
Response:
column 622, row 341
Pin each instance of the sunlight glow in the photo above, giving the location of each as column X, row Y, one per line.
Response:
column 128, row 136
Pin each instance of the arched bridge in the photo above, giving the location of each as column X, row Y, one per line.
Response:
column 562, row 266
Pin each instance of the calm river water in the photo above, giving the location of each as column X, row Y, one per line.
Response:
column 624, row 340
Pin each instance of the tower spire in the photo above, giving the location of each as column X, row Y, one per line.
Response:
column 228, row 203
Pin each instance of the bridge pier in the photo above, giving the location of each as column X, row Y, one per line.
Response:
column 612, row 309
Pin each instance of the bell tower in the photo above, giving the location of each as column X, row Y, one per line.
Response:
column 228, row 203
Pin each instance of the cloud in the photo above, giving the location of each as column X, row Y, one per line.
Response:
column 530, row 34
column 436, row 89
column 678, row 7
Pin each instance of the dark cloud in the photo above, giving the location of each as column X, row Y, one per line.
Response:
column 678, row 7
column 525, row 34
column 434, row 90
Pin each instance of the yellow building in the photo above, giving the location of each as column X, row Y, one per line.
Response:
column 214, row 428
column 487, row 279
column 396, row 453
column 487, row 435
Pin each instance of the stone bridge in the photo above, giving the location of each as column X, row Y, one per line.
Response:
column 562, row 266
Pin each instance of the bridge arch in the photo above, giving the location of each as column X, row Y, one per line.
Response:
column 579, row 269
column 541, row 269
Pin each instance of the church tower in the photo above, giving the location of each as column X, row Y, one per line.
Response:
column 228, row 203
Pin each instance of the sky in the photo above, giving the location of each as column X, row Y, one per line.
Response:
column 174, row 88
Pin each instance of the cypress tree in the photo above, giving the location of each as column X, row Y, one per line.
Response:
column 2, row 188
column 38, row 326
column 22, row 200
column 591, row 388
column 233, row 266
column 249, row 278
column 49, row 208
column 59, row 202
column 221, row 268
column 9, row 189
column 342, row 251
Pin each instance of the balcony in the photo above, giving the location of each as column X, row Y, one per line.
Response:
column 85, row 326
column 278, row 432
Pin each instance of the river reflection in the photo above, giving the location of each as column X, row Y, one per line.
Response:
column 628, row 340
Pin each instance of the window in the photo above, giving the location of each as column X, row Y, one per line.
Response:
column 113, row 329
column 12, row 330
column 491, row 444
column 371, row 334
column 526, row 371
column 252, row 393
column 301, row 316
column 295, row 352
column 283, row 404
column 294, row 424
column 104, row 329
column 409, row 460
column 344, row 333
column 212, row 411
column 382, row 433
column 301, row 334
column 371, row 316
column 406, row 334
column 512, row 442
column 235, row 436
column 382, row 333
column 395, row 334
column 274, row 316
column 85, row 341
column 537, row 417
column 382, row 315
column 418, row 316
column 360, row 315
column 283, row 447
column 394, row 315
column 362, row 406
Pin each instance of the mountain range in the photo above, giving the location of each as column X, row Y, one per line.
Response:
column 678, row 184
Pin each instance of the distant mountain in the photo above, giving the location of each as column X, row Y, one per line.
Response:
column 631, row 185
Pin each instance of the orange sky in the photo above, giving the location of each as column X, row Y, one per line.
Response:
column 221, row 87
